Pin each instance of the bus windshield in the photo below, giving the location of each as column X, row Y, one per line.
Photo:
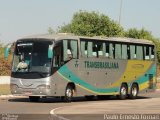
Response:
column 33, row 57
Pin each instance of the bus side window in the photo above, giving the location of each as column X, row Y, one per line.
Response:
column 111, row 50
column 70, row 49
column 88, row 49
column 149, row 52
column 118, row 51
column 128, row 52
column 65, row 50
column 139, row 52
column 101, row 48
column 124, row 51
column 74, row 48
column 146, row 52
column 132, row 51
column 152, row 53
column 107, row 50
column 84, row 48
column 94, row 49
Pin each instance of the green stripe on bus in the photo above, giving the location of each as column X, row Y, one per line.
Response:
column 66, row 73
column 69, row 75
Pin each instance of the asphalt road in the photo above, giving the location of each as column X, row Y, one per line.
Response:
column 21, row 109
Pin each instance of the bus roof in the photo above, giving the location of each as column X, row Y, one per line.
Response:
column 121, row 39
column 52, row 36
column 72, row 36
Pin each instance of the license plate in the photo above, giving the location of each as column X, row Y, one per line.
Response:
column 27, row 93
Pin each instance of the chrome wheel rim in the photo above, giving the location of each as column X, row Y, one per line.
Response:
column 69, row 93
column 123, row 91
column 134, row 91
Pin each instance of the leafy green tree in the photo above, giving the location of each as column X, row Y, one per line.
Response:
column 50, row 30
column 139, row 34
column 92, row 24
column 5, row 64
column 1, row 50
column 157, row 43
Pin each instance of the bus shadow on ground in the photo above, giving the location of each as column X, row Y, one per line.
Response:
column 75, row 99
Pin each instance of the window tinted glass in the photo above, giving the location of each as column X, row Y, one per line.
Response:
column 33, row 55
column 70, row 49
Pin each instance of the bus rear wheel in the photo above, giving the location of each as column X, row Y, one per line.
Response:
column 123, row 92
column 134, row 91
column 34, row 98
column 68, row 93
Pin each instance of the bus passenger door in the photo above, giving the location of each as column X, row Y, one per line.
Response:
column 57, row 58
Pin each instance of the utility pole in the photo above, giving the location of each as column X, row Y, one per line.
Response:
column 120, row 11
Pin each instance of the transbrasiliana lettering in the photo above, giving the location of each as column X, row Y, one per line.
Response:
column 101, row 65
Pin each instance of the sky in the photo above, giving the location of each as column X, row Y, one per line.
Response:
column 20, row 18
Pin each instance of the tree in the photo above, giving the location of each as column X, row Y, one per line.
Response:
column 92, row 24
column 144, row 34
column 139, row 34
column 50, row 30
column 1, row 50
column 157, row 43
column 5, row 65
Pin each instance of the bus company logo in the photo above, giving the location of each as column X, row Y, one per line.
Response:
column 76, row 63
column 101, row 65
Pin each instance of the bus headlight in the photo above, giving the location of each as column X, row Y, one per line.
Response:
column 13, row 86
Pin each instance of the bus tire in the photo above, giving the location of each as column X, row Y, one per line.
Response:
column 134, row 91
column 34, row 98
column 123, row 92
column 103, row 97
column 89, row 97
column 68, row 93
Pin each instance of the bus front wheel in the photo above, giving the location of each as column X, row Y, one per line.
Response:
column 68, row 93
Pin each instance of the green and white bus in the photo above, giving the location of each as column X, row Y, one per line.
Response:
column 65, row 65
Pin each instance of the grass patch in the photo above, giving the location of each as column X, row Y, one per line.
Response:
column 5, row 89
column 158, row 84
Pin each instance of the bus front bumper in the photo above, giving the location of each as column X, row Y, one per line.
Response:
column 41, row 90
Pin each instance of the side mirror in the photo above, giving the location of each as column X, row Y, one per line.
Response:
column 50, row 52
column 6, row 52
